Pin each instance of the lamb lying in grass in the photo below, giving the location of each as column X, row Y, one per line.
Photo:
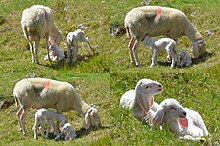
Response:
column 185, row 59
column 56, row 53
column 185, row 123
column 141, row 100
column 49, row 116
column 167, row 44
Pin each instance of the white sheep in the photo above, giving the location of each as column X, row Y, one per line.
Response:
column 141, row 100
column 49, row 116
column 185, row 59
column 46, row 93
column 156, row 21
column 56, row 53
column 185, row 123
column 167, row 44
column 37, row 22
column 72, row 40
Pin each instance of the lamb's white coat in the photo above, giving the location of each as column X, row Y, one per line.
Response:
column 156, row 21
column 167, row 44
column 50, row 116
column 72, row 40
column 185, row 59
column 140, row 100
column 170, row 112
column 37, row 22
column 56, row 53
column 46, row 93
column 69, row 131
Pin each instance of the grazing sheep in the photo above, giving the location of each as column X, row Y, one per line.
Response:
column 141, row 100
column 37, row 22
column 156, row 21
column 56, row 53
column 72, row 42
column 167, row 44
column 50, row 116
column 186, row 123
column 46, row 93
column 185, row 59
column 68, row 131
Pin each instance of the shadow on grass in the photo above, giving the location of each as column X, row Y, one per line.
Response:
column 204, row 58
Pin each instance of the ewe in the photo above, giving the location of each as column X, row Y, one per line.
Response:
column 37, row 22
column 155, row 21
column 46, row 93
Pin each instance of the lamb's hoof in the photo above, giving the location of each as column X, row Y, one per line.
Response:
column 138, row 65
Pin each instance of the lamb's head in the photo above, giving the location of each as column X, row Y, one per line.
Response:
column 92, row 118
column 182, row 54
column 148, row 87
column 170, row 109
column 199, row 47
column 53, row 47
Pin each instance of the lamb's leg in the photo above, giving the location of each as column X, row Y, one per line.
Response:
column 135, row 51
column 55, row 128
column 36, row 45
column 130, row 46
column 189, row 137
column 68, row 53
column 154, row 57
column 75, row 51
column 43, row 120
column 32, row 51
column 18, row 116
column 50, row 122
column 22, row 120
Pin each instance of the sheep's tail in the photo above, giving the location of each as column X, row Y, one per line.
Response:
column 26, row 33
column 16, row 102
column 128, row 31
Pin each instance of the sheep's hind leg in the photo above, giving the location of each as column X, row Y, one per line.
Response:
column 18, row 116
column 32, row 52
column 22, row 120
column 135, row 51
column 130, row 46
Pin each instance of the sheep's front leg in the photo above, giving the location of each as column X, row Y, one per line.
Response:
column 47, row 46
column 154, row 57
column 36, row 45
column 130, row 46
column 75, row 51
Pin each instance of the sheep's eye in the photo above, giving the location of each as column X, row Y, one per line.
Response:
column 146, row 87
column 172, row 108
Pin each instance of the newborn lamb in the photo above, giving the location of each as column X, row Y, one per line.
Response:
column 185, row 123
column 56, row 53
column 185, row 59
column 167, row 44
column 68, row 131
column 50, row 116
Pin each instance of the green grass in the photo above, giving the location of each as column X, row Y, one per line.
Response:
column 103, row 78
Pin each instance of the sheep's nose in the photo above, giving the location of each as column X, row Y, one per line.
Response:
column 184, row 113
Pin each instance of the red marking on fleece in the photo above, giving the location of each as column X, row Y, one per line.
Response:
column 47, row 84
column 158, row 12
column 183, row 122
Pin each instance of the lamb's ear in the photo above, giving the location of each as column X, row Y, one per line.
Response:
column 195, row 50
column 86, row 121
column 143, row 103
column 158, row 118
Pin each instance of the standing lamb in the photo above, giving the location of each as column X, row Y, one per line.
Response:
column 186, row 123
column 46, row 93
column 50, row 116
column 141, row 100
column 72, row 40
column 185, row 59
column 37, row 22
column 56, row 53
column 155, row 21
column 167, row 44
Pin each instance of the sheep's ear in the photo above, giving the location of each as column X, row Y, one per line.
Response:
column 158, row 118
column 195, row 49
column 86, row 121
column 143, row 103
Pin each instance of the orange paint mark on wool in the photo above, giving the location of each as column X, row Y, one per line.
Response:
column 158, row 12
column 47, row 84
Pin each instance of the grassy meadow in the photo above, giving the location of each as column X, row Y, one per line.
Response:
column 102, row 78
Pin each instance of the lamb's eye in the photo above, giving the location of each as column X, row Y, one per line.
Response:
column 146, row 87
column 172, row 108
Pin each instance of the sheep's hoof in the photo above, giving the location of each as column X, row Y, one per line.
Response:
column 138, row 65
column 35, row 137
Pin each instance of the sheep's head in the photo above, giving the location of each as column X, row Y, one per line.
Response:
column 148, row 87
column 199, row 48
column 92, row 118
column 170, row 109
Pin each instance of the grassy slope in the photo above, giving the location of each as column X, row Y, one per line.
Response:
column 196, row 87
